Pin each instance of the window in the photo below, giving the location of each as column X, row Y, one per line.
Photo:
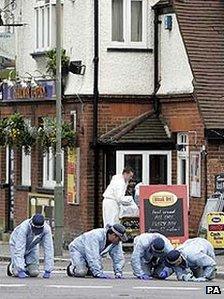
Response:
column 182, row 159
column 150, row 167
column 7, row 164
column 128, row 22
column 49, row 169
column 45, row 19
column 26, row 164
column 26, row 169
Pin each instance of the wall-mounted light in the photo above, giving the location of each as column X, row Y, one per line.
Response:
column 1, row 21
column 76, row 67
column 168, row 22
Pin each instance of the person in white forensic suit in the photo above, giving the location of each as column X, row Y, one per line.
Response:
column 194, row 260
column 87, row 251
column 24, row 248
column 147, row 259
column 113, row 196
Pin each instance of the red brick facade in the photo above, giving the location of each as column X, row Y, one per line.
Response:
column 181, row 115
column 77, row 217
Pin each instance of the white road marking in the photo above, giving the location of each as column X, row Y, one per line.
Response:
column 168, row 288
column 79, row 287
column 12, row 285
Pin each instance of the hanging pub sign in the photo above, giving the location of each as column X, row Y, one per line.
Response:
column 41, row 89
column 163, row 209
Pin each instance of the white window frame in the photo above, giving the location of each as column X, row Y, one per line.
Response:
column 25, row 169
column 183, row 154
column 145, row 161
column 7, row 164
column 127, row 43
column 45, row 37
column 48, row 178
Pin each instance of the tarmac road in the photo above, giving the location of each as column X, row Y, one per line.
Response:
column 63, row 287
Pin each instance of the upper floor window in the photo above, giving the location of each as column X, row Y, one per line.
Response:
column 128, row 22
column 45, row 18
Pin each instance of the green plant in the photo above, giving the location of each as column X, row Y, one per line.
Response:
column 16, row 132
column 47, row 135
column 3, row 125
column 51, row 62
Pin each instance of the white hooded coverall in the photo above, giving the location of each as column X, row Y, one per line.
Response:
column 24, row 249
column 113, row 196
column 200, row 257
column 142, row 256
column 87, row 250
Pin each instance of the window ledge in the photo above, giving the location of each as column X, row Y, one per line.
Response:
column 74, row 204
column 38, row 54
column 45, row 190
column 118, row 49
column 4, row 185
column 23, row 188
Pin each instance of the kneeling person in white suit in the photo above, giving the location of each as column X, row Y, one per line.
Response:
column 194, row 260
column 87, row 250
column 24, row 248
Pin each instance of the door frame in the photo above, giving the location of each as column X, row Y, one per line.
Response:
column 145, row 161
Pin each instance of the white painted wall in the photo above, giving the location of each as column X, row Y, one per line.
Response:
column 175, row 72
column 7, row 40
column 25, row 38
column 120, row 72
column 123, row 72
column 78, row 40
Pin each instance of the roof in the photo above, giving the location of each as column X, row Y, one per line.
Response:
column 144, row 129
column 202, row 27
column 162, row 3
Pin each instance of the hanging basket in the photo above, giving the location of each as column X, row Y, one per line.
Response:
column 15, row 132
column 47, row 135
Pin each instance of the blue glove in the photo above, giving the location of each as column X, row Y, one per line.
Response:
column 163, row 275
column 46, row 274
column 22, row 274
column 145, row 277
column 119, row 276
column 103, row 276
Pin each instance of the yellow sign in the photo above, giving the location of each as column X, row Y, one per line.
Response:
column 71, row 179
column 163, row 199
column 215, row 233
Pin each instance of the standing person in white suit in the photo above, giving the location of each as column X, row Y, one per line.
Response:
column 113, row 196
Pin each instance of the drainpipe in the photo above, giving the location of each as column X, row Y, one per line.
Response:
column 95, row 113
column 206, row 174
column 155, row 100
column 8, row 224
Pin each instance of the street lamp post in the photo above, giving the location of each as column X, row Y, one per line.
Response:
column 58, row 190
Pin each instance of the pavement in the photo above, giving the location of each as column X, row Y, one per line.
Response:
column 62, row 261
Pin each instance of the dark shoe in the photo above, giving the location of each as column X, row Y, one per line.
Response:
column 89, row 273
column 8, row 271
column 68, row 271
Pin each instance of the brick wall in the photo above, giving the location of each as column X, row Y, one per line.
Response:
column 180, row 116
column 77, row 218
column 183, row 116
column 215, row 158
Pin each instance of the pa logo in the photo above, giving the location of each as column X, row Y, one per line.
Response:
column 213, row 290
